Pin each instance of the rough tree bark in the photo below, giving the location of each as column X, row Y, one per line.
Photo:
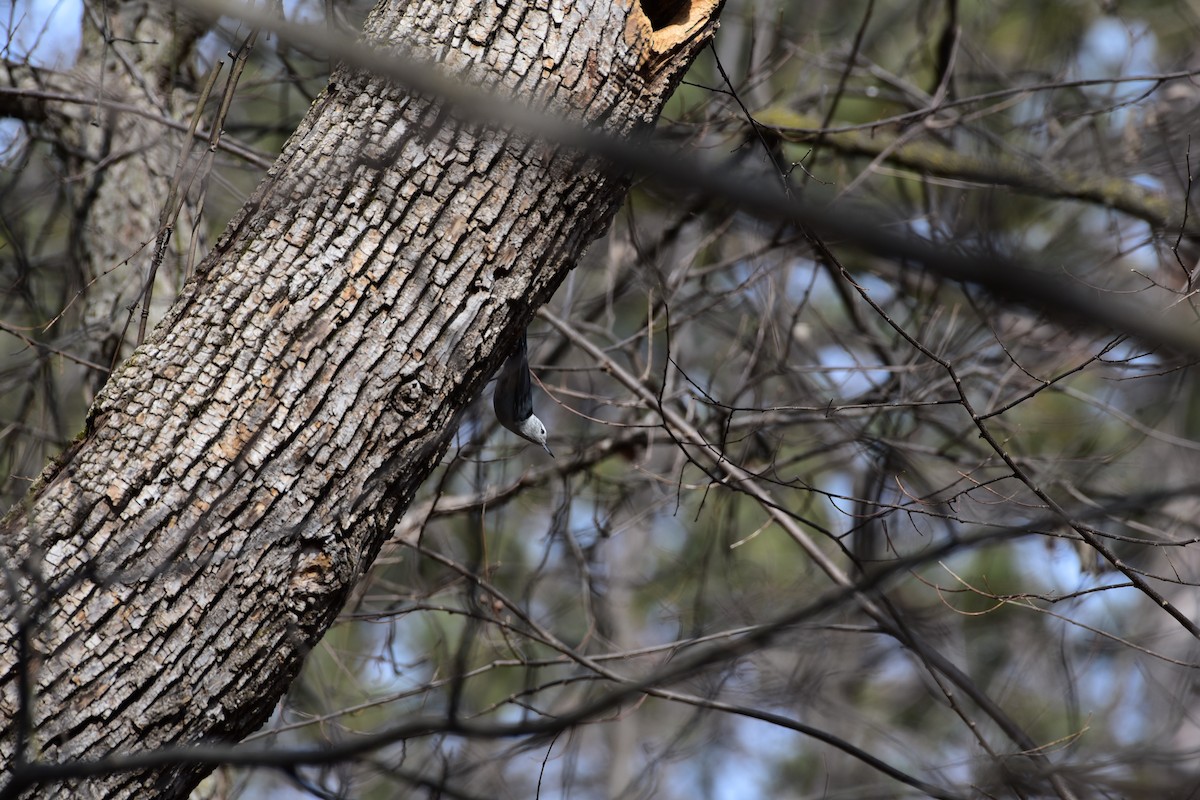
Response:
column 165, row 578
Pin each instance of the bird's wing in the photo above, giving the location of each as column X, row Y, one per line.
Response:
column 522, row 383
column 514, row 389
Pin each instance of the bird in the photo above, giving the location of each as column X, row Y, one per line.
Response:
column 512, row 398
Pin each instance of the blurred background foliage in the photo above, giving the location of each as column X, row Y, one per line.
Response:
column 944, row 445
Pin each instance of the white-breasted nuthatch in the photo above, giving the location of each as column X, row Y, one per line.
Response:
column 513, row 397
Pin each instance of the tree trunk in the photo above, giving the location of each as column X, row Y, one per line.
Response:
column 118, row 167
column 165, row 578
